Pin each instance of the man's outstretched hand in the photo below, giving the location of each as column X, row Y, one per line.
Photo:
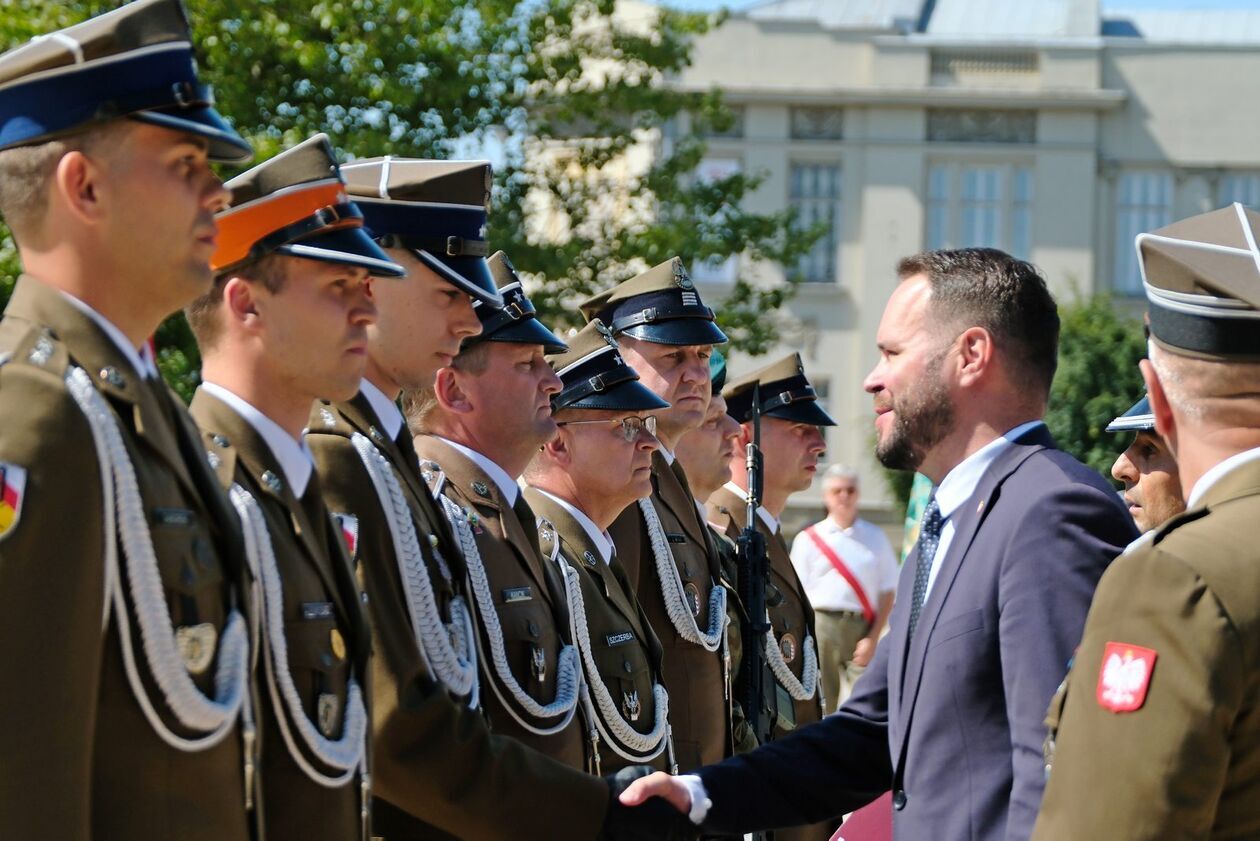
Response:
column 630, row 818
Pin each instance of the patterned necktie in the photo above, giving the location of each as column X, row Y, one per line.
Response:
column 929, row 539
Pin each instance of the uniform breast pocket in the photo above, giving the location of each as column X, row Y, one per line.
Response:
column 317, row 661
column 957, row 626
column 189, row 567
column 530, row 642
column 625, row 671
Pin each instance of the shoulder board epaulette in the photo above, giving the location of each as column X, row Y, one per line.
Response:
column 39, row 348
column 431, row 473
column 327, row 420
column 548, row 540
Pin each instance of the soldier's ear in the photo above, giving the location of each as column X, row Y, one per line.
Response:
column 77, row 186
column 450, row 393
column 239, row 302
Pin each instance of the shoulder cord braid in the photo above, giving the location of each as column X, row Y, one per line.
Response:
column 449, row 653
column 213, row 718
column 345, row 754
column 625, row 741
column 568, row 669
column 783, row 673
column 672, row 589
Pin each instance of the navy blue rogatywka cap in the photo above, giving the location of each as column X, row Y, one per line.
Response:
column 594, row 376
column 136, row 61
column 1138, row 418
column 660, row 305
column 516, row 321
column 438, row 210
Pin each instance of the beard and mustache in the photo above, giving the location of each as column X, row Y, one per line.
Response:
column 923, row 418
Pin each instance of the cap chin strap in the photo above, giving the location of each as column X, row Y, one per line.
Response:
column 659, row 313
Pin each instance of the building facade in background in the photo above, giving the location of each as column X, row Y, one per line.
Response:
column 1048, row 128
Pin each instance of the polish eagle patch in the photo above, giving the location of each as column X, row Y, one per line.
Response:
column 1125, row 676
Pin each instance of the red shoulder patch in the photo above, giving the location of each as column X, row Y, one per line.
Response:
column 1124, row 676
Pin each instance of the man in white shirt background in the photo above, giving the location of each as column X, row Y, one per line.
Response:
column 850, row 574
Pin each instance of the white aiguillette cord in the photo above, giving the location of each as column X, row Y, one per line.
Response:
column 676, row 606
column 568, row 669
column 214, row 718
column 449, row 653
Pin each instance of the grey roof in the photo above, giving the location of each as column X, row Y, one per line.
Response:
column 892, row 15
column 1001, row 19
column 1184, row 26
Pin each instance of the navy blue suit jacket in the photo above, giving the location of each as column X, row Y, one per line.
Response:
column 954, row 726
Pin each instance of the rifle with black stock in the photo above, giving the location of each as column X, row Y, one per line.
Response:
column 754, row 571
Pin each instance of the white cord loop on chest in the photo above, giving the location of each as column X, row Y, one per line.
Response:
column 214, row 717
column 344, row 754
column 676, row 605
column 449, row 652
column 568, row 670
column 618, row 733
column 807, row 686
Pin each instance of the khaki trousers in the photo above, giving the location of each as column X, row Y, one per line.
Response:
column 838, row 633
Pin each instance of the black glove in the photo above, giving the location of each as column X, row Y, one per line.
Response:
column 654, row 820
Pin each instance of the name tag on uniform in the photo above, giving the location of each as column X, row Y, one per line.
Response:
column 317, row 610
column 675, row 538
column 173, row 517
column 517, row 594
column 619, row 639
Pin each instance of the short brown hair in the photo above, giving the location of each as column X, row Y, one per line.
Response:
column 985, row 287
column 26, row 174
column 269, row 272
column 418, row 404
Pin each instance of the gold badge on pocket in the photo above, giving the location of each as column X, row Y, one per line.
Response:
column 196, row 646
column 338, row 644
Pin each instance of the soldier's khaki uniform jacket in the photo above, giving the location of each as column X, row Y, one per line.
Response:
column 78, row 759
column 696, row 679
column 1167, row 746
column 529, row 603
column 437, row 769
column 792, row 619
column 324, row 630
column 625, row 650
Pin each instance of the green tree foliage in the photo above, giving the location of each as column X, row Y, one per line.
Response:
column 1098, row 379
column 562, row 91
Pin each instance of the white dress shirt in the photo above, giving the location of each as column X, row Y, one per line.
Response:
column 771, row 521
column 141, row 358
column 865, row 551
column 601, row 539
column 387, row 411
column 507, row 486
column 959, row 486
column 296, row 461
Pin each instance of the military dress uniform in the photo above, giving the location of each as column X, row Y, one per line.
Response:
column 627, row 707
column 663, row 543
column 791, row 656
column 529, row 668
column 1154, row 732
column 438, row 770
column 122, row 592
column 314, row 638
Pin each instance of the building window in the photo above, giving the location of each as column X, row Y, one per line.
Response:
column 1243, row 188
column 716, row 270
column 1143, row 203
column 971, row 205
column 809, row 123
column 951, row 67
column 814, row 192
column 959, row 125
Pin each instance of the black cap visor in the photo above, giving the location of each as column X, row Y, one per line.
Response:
column 468, row 274
column 226, row 146
column 678, row 331
column 348, row 246
column 806, row 411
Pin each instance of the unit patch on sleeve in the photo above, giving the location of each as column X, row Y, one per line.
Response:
column 1124, row 677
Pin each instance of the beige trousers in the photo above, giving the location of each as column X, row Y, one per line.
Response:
column 838, row 633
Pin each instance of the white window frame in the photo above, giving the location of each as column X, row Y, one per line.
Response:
column 1135, row 209
column 945, row 220
column 836, row 236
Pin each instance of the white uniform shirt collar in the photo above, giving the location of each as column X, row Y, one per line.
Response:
column 1217, row 472
column 386, row 410
column 506, row 485
column 771, row 521
column 601, row 539
column 960, row 484
column 296, row 461
column 665, row 453
column 141, row 358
